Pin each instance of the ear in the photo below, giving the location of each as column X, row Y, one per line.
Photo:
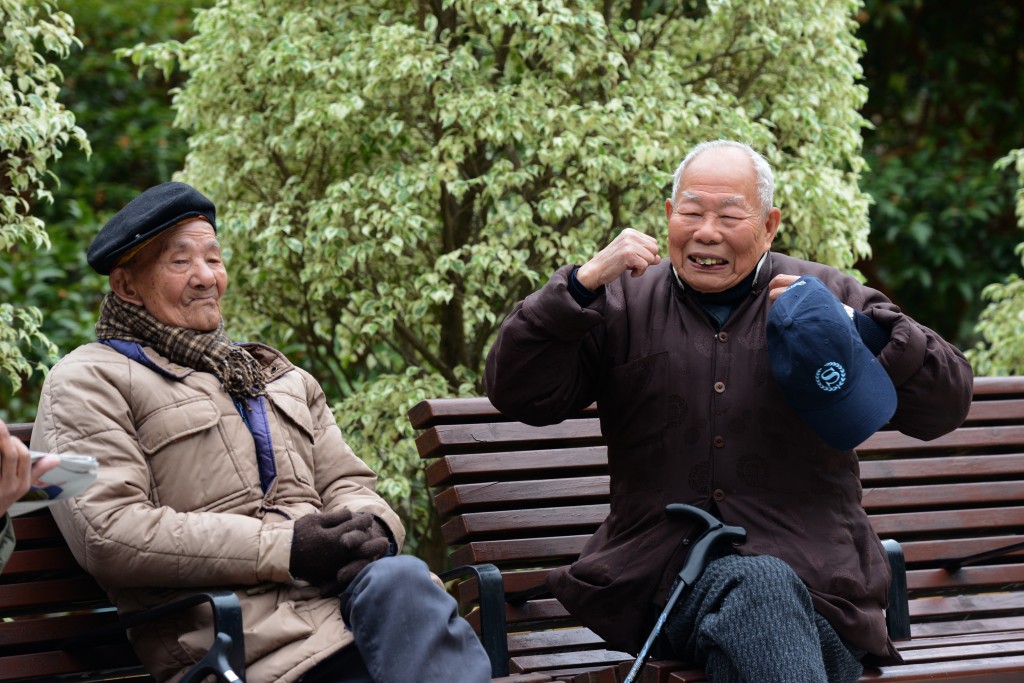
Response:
column 121, row 284
column 771, row 226
column 668, row 209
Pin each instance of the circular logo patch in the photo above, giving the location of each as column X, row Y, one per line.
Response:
column 830, row 376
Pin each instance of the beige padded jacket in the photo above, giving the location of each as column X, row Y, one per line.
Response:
column 179, row 503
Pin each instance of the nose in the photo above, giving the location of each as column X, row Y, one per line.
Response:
column 707, row 231
column 202, row 276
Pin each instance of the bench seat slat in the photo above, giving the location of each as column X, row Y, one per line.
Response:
column 999, row 669
column 531, row 663
column 537, row 641
column 547, row 612
column 1004, row 669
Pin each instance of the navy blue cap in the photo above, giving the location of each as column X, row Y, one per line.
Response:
column 826, row 373
column 158, row 208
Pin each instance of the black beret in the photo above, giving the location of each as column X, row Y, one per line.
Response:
column 158, row 208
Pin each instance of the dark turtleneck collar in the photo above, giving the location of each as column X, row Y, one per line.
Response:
column 720, row 305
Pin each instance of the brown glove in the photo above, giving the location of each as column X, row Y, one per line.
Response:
column 324, row 546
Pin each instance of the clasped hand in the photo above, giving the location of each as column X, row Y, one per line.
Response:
column 329, row 549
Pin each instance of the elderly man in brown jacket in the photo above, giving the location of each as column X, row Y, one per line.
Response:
column 675, row 352
column 221, row 466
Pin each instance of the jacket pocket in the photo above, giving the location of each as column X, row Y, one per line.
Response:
column 296, row 411
column 193, row 464
column 176, row 422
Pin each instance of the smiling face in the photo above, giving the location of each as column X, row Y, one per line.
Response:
column 716, row 233
column 178, row 278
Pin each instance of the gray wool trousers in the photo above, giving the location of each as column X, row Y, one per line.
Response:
column 406, row 629
column 750, row 620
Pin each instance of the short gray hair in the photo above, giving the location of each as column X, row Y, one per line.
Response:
column 762, row 170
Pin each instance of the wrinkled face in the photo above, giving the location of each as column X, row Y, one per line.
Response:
column 178, row 278
column 716, row 233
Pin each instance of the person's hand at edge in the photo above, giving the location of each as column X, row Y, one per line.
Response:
column 17, row 471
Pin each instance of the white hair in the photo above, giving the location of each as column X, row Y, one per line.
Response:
column 762, row 170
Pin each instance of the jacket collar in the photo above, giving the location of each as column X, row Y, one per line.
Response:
column 273, row 361
column 753, row 283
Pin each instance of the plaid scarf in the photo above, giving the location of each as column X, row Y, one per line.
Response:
column 240, row 373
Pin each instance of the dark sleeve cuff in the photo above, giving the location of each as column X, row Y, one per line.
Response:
column 874, row 336
column 392, row 541
column 580, row 294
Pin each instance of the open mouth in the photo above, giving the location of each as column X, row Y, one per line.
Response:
column 707, row 261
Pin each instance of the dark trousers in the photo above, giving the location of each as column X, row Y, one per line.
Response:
column 406, row 629
column 750, row 620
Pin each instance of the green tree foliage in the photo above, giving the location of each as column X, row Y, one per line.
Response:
column 134, row 146
column 34, row 130
column 1001, row 326
column 393, row 176
column 946, row 95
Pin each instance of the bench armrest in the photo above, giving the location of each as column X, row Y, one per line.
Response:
column 897, row 616
column 493, row 627
column 226, row 656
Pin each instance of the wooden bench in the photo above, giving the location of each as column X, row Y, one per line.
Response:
column 525, row 499
column 56, row 622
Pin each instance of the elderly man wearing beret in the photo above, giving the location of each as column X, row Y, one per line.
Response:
column 222, row 466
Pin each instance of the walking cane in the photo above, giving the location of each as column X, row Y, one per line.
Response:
column 691, row 571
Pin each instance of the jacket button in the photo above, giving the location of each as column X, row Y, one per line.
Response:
column 723, row 336
column 720, row 387
column 719, row 441
column 718, row 495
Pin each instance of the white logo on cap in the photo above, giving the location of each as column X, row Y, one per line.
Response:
column 830, row 376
